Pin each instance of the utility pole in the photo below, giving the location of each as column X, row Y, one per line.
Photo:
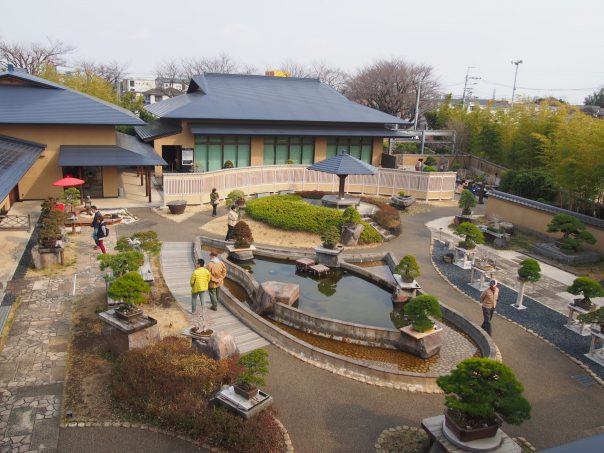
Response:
column 466, row 90
column 419, row 90
column 517, row 63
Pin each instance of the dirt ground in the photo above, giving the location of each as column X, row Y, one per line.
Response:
column 70, row 257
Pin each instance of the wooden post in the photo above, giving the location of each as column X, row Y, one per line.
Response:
column 140, row 171
column 149, row 182
column 82, row 186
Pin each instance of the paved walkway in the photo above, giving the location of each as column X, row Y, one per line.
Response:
column 177, row 265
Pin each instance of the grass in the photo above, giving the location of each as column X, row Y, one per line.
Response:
column 12, row 314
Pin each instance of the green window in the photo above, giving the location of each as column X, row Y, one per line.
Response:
column 359, row 147
column 280, row 150
column 211, row 152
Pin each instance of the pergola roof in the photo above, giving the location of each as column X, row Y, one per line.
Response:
column 344, row 164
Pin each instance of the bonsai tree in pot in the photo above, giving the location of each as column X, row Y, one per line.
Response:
column 467, row 201
column 351, row 216
column 408, row 268
column 352, row 228
column 131, row 290
column 235, row 197
column 121, row 263
column 255, row 369
column 529, row 271
column 330, row 237
column 479, row 394
column 588, row 288
column 70, row 196
column 471, row 233
column 242, row 234
column 574, row 232
column 148, row 242
column 593, row 317
column 419, row 309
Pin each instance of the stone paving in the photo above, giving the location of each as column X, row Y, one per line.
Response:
column 33, row 360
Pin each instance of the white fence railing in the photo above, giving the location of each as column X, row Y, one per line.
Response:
column 196, row 187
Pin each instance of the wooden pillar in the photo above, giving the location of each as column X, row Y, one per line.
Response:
column 148, row 171
column 82, row 186
column 139, row 170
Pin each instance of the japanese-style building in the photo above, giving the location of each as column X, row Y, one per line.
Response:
column 48, row 131
column 251, row 120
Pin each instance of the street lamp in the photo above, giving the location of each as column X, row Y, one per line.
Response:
column 517, row 63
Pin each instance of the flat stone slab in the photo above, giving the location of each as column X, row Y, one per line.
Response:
column 272, row 293
column 240, row 405
column 335, row 201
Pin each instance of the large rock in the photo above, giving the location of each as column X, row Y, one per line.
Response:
column 272, row 293
column 351, row 234
column 220, row 345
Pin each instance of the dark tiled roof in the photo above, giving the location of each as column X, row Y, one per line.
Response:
column 163, row 92
column 156, row 129
column 262, row 98
column 129, row 151
column 344, row 164
column 16, row 157
column 33, row 100
column 292, row 130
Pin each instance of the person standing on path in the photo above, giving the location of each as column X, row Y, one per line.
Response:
column 96, row 220
column 101, row 233
column 199, row 285
column 214, row 196
column 218, row 273
column 488, row 300
column 231, row 222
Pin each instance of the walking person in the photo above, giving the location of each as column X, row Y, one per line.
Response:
column 199, row 285
column 214, row 196
column 488, row 301
column 218, row 272
column 231, row 222
column 96, row 220
column 101, row 233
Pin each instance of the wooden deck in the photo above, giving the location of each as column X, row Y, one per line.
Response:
column 176, row 266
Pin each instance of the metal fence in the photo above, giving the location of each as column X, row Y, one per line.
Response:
column 195, row 187
column 15, row 222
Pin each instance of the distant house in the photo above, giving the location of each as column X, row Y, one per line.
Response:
column 138, row 86
column 48, row 131
column 258, row 120
column 178, row 84
column 160, row 94
column 482, row 104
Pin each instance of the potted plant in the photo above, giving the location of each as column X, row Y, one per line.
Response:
column 402, row 200
column 51, row 229
column 131, row 290
column 419, row 309
column 70, row 195
column 479, row 394
column 593, row 317
column 352, row 228
column 228, row 164
column 242, row 235
column 408, row 269
column 467, row 201
column 235, row 197
column 529, row 271
column 472, row 235
column 255, row 368
column 121, row 263
column 330, row 237
column 177, row 207
column 574, row 232
column 588, row 288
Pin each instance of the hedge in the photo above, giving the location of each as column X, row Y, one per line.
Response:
column 290, row 212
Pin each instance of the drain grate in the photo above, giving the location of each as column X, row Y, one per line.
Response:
column 584, row 379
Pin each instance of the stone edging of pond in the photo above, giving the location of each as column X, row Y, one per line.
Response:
column 526, row 329
column 289, row 448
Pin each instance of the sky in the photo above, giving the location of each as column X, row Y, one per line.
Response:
column 560, row 42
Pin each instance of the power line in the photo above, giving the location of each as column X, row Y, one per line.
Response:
column 489, row 82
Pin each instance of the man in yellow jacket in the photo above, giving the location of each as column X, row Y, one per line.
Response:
column 199, row 284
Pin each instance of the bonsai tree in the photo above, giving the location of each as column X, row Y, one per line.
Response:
column 148, row 242
column 255, row 368
column 330, row 237
column 419, row 308
column 529, row 271
column 228, row 164
column 235, row 197
column 573, row 230
column 402, row 193
column 71, row 195
column 480, row 390
column 593, row 317
column 351, row 216
column 471, row 233
column 408, row 268
column 130, row 289
column 242, row 234
column 467, row 201
column 431, row 160
column 588, row 288
column 121, row 263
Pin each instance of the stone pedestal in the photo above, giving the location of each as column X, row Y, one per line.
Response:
column 574, row 325
column 44, row 257
column 240, row 405
column 405, row 291
column 220, row 345
column 334, row 201
column 421, row 344
column 245, row 254
column 272, row 293
column 351, row 234
column 329, row 257
column 122, row 335
column 596, row 349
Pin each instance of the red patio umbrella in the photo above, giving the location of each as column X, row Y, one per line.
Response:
column 68, row 181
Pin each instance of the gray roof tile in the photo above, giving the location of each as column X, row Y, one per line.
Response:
column 344, row 164
column 16, row 157
column 156, row 129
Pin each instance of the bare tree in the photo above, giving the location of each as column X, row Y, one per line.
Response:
column 112, row 71
column 223, row 64
column 33, row 56
column 332, row 76
column 293, row 69
column 391, row 86
column 171, row 72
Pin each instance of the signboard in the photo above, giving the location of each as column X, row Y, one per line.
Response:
column 187, row 156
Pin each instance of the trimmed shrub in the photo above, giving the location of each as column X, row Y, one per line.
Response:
column 351, row 215
column 242, row 234
column 130, row 289
column 408, row 268
column 255, row 368
column 290, row 212
column 419, row 308
column 234, row 196
column 330, row 237
column 467, row 200
column 574, row 232
column 168, row 385
column 472, row 234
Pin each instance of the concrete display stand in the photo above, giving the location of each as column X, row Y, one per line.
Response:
column 334, row 201
column 479, row 277
column 464, row 258
column 241, row 254
column 124, row 335
column 442, row 440
column 329, row 257
column 596, row 349
column 421, row 344
column 241, row 406
column 572, row 324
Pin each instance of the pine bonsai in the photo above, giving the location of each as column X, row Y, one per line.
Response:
column 234, row 196
column 479, row 390
column 467, row 201
column 587, row 287
column 129, row 288
column 574, row 232
column 242, row 234
column 121, row 263
column 351, row 215
column 408, row 268
column 70, row 195
column 593, row 317
column 148, row 239
column 255, row 366
column 472, row 235
column 330, row 237
column 419, row 308
column 529, row 271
